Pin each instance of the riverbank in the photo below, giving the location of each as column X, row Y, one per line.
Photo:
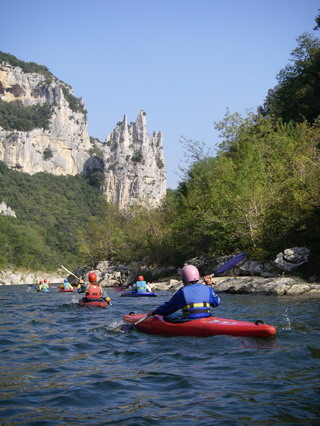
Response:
column 272, row 286
column 19, row 277
column 276, row 286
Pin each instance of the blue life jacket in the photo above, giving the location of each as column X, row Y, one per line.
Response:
column 141, row 286
column 67, row 286
column 197, row 298
column 44, row 287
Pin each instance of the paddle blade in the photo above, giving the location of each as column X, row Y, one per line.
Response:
column 123, row 328
column 230, row 263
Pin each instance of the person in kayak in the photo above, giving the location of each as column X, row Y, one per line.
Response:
column 66, row 285
column 92, row 289
column 193, row 298
column 140, row 286
column 43, row 286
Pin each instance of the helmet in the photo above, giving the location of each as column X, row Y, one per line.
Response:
column 140, row 278
column 65, row 280
column 190, row 273
column 45, row 280
column 41, row 282
column 92, row 277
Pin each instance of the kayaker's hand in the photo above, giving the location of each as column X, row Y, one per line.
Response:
column 150, row 314
column 208, row 279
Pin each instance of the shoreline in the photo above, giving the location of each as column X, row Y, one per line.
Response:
column 274, row 286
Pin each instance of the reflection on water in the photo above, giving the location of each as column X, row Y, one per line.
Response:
column 65, row 364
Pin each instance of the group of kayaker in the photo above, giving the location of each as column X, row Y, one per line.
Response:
column 194, row 298
column 43, row 285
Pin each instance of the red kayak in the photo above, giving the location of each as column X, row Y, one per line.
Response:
column 62, row 290
column 100, row 303
column 202, row 327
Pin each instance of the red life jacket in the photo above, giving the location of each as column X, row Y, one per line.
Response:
column 93, row 292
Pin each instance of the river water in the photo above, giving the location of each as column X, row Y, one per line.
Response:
column 63, row 364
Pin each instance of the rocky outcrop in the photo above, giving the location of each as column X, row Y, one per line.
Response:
column 133, row 164
column 292, row 258
column 130, row 161
column 16, row 277
column 6, row 210
column 60, row 149
column 279, row 286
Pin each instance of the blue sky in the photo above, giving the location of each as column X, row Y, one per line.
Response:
column 184, row 62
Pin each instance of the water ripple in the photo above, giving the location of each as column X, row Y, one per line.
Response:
column 64, row 364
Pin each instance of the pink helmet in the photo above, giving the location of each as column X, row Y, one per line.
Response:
column 190, row 273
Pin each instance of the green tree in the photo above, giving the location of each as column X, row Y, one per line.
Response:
column 296, row 97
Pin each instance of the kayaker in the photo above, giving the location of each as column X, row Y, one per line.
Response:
column 194, row 298
column 66, row 285
column 93, row 290
column 43, row 286
column 140, row 286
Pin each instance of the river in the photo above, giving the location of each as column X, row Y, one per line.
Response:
column 63, row 364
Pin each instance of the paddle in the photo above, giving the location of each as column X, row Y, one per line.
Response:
column 71, row 273
column 229, row 263
column 127, row 326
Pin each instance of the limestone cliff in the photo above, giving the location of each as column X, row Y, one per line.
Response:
column 62, row 147
column 134, row 164
column 55, row 139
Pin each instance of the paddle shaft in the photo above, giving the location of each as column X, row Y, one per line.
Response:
column 71, row 273
column 140, row 320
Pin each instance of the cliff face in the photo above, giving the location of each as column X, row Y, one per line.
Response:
column 134, row 164
column 60, row 149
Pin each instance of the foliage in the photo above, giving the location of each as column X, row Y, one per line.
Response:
column 51, row 211
column 317, row 19
column 137, row 157
column 15, row 116
column 95, row 177
column 27, row 67
column 261, row 193
column 296, row 97
column 75, row 104
column 160, row 163
column 47, row 153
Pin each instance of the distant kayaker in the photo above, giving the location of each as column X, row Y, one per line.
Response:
column 93, row 290
column 43, row 286
column 140, row 286
column 193, row 298
column 66, row 285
